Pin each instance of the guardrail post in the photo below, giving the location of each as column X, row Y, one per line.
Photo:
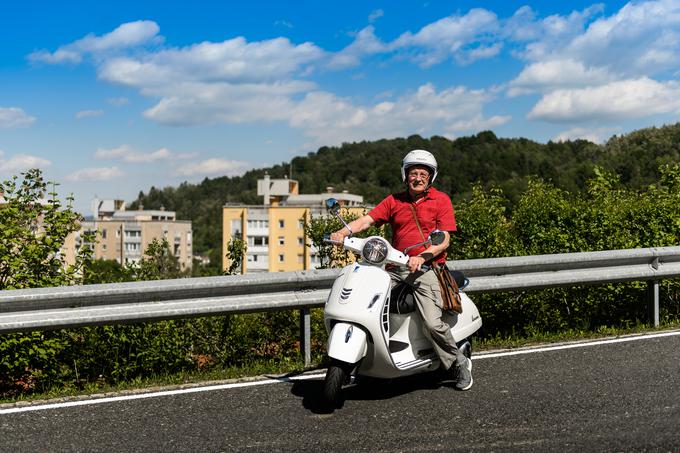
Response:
column 653, row 304
column 305, row 336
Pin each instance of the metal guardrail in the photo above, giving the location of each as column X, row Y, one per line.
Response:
column 75, row 306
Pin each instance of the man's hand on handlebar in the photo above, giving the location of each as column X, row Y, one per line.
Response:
column 415, row 263
column 338, row 236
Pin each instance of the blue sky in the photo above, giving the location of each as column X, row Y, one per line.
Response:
column 110, row 98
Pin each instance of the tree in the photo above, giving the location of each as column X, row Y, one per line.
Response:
column 236, row 251
column 157, row 263
column 330, row 255
column 33, row 230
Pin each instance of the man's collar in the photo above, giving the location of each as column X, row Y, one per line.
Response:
column 418, row 198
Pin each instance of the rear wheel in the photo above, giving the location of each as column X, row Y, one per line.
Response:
column 336, row 377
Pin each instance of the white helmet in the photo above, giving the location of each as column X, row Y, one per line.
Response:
column 419, row 157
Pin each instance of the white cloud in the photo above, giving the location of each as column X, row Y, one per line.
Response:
column 595, row 135
column 283, row 23
column 555, row 74
column 232, row 61
column 328, row 119
column 641, row 38
column 579, row 50
column 634, row 98
column 96, row 174
column 231, row 81
column 126, row 153
column 591, row 67
column 478, row 123
column 375, row 15
column 118, row 102
column 214, row 166
column 21, row 162
column 203, row 103
column 365, row 43
column 13, row 117
column 464, row 38
column 128, row 35
column 89, row 114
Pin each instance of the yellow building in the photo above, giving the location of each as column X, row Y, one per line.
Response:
column 274, row 231
column 125, row 235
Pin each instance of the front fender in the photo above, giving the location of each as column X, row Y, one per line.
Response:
column 347, row 342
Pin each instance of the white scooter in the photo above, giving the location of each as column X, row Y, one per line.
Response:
column 377, row 331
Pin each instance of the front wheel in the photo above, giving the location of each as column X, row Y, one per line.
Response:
column 336, row 377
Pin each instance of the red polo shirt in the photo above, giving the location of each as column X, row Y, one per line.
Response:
column 434, row 211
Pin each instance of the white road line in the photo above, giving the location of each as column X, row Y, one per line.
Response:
column 139, row 396
column 210, row 388
column 580, row 344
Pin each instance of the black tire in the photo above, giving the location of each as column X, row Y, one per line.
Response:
column 336, row 377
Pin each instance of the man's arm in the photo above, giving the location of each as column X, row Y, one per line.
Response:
column 357, row 226
column 415, row 262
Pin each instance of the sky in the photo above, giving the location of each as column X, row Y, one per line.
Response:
column 110, row 98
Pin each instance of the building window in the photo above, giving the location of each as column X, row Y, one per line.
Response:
column 104, row 233
column 281, row 240
column 236, row 227
column 258, row 241
column 301, row 224
column 301, row 259
column 133, row 233
column 117, row 232
column 301, row 241
column 103, row 247
column 133, row 247
column 282, row 224
column 281, row 258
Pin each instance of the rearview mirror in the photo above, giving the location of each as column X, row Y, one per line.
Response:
column 437, row 237
column 332, row 205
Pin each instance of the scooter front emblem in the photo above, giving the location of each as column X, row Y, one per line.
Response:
column 348, row 334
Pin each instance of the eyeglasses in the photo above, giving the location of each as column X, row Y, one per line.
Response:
column 418, row 175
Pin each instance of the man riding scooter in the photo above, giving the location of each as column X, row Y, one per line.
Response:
column 413, row 215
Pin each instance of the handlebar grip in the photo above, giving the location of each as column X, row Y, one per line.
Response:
column 327, row 239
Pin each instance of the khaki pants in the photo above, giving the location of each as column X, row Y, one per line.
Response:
column 428, row 300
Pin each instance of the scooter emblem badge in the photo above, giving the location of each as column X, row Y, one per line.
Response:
column 348, row 334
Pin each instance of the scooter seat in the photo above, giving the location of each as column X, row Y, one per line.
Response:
column 401, row 300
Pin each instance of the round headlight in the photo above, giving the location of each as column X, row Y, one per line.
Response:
column 374, row 251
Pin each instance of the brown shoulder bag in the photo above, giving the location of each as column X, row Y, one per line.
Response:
column 447, row 285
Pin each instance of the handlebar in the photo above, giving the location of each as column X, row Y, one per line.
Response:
column 327, row 239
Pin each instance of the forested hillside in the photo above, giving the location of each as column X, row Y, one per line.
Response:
column 371, row 169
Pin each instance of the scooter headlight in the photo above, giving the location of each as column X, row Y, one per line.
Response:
column 375, row 251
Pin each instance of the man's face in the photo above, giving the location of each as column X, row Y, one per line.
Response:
column 418, row 178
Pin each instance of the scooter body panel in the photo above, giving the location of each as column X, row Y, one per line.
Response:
column 390, row 345
column 347, row 342
column 358, row 297
column 464, row 324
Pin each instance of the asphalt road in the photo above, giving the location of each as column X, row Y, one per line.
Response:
column 606, row 397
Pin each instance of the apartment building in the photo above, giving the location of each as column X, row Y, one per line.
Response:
column 274, row 231
column 124, row 235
